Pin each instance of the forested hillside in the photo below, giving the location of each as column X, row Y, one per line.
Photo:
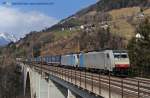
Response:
column 118, row 17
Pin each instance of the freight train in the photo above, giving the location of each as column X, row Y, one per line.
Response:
column 115, row 62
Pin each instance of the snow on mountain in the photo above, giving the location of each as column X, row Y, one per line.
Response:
column 6, row 38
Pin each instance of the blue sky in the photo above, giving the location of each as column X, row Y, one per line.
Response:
column 21, row 19
column 60, row 9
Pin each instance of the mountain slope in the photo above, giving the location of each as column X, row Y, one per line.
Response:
column 106, row 5
column 120, row 16
column 6, row 38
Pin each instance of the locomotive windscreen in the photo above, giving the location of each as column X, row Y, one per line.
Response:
column 120, row 54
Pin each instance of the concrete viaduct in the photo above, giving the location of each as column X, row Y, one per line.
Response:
column 41, row 81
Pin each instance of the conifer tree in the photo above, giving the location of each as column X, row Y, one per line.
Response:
column 139, row 48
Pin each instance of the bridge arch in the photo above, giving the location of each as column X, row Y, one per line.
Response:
column 27, row 86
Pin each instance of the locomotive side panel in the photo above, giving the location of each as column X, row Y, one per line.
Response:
column 95, row 60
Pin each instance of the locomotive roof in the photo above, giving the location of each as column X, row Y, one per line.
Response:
column 119, row 51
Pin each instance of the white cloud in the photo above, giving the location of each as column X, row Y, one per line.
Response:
column 20, row 23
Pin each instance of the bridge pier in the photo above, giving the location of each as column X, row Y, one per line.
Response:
column 55, row 90
column 37, row 85
column 71, row 94
column 43, row 85
column 42, row 88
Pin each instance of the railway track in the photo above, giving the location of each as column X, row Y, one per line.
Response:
column 142, row 79
column 128, row 84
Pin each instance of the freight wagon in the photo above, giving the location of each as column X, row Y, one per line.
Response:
column 69, row 60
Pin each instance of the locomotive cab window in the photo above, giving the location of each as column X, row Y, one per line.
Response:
column 116, row 56
column 124, row 56
column 120, row 56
